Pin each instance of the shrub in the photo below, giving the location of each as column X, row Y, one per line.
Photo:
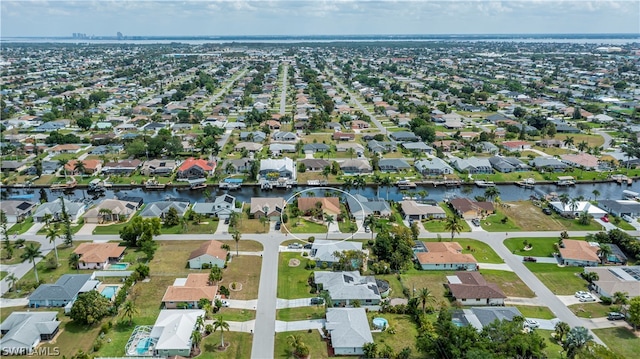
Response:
column 206, row 265
column 97, row 345
column 606, row 300
column 305, row 254
column 311, row 239
column 224, row 291
column 310, row 264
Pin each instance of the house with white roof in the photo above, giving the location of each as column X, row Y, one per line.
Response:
column 576, row 208
column 322, row 251
column 472, row 165
column 347, row 287
column 283, row 166
column 221, row 207
column 171, row 334
column 625, row 279
column 349, row 330
column 23, row 331
column 54, row 208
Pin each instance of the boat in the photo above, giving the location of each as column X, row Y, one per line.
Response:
column 153, row 183
column 405, row 184
column 72, row 183
column 566, row 181
column 232, row 184
column 626, row 194
column 481, row 183
column 197, row 183
column 527, row 183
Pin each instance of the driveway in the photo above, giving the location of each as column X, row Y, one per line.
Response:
column 297, row 325
column 551, row 260
column 606, row 226
column 547, row 324
column 243, row 304
column 293, row 303
column 570, row 299
column 495, row 266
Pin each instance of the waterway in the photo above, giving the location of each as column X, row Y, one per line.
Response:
column 609, row 190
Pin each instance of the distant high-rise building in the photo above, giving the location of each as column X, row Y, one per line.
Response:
column 120, row 36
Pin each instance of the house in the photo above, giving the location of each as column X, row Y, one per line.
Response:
column 549, row 164
column 393, row 165
column 375, row 146
column 124, row 167
column 360, row 207
column 159, row 209
column 90, row 167
column 187, row 292
column 448, row 145
column 158, row 167
column 580, row 160
column 487, row 147
column 625, row 279
column 341, row 136
column 282, row 167
column 575, row 208
column 351, row 166
column 98, row 255
column 242, row 165
column 276, row 149
column 480, row 317
column 13, row 166
column 284, row 136
column 111, row 210
column 249, row 146
column 349, row 330
column 470, row 288
column 359, row 125
column 347, row 287
column 329, row 205
column 508, row 164
column 513, row 146
column 413, row 210
column 270, row 206
column 314, row 165
column 171, row 333
column 323, row 251
column 472, row 165
column 404, row 136
column 620, row 207
column 16, row 211
column 315, row 147
column 273, row 125
column 22, row 332
column 468, row 209
column 211, row 253
column 433, row 167
column 579, row 253
column 419, row 147
column 444, row 256
column 63, row 292
column 64, row 148
column 196, row 168
column 549, row 142
column 221, row 207
column 54, row 209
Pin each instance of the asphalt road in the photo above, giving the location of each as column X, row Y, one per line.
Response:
column 362, row 108
column 283, row 96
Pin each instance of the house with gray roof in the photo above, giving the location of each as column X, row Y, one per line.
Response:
column 249, row 146
column 361, row 206
column 349, row 330
column 346, row 287
column 16, row 211
column 23, row 331
column 381, row 146
column 315, row 147
column 393, row 164
column 322, row 251
column 283, row 166
column 159, row 209
column 54, row 208
column 548, row 164
column 171, row 333
column 433, row 166
column 479, row 317
column 487, row 147
column 351, row 166
column 404, row 136
column 242, row 165
column 158, row 167
column 420, row 147
column 344, row 147
column 508, row 164
column 277, row 149
column 620, row 207
column 472, row 165
column 284, row 136
column 314, row 164
column 255, row 136
column 63, row 292
column 221, row 207
column 413, row 210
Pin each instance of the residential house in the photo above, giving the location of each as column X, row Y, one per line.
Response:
column 111, row 210
column 242, row 165
column 171, row 332
column 98, row 255
column 314, row 165
column 16, row 211
column 249, row 146
column 63, row 292
column 419, row 147
column 158, row 167
column 347, row 287
column 480, row 317
column 277, row 149
column 472, row 165
column 360, row 206
column 433, row 166
column 620, row 207
column 284, row 136
column 444, row 256
column 270, row 206
column 404, row 136
column 54, row 208
column 196, row 168
column 549, row 164
column 550, row 142
column 579, row 253
column 210, row 253
column 358, row 149
column 341, row 136
column 448, row 145
column 581, row 160
column 516, row 146
column 273, row 125
column 90, row 167
column 124, row 167
column 22, row 332
column 351, row 166
column 393, row 165
column 329, row 205
column 487, row 147
column 468, row 209
column 13, row 166
column 67, row 148
column 470, row 288
column 221, row 207
column 412, row 210
column 349, row 330
column 624, row 279
column 359, row 125
column 159, row 209
column 375, row 146
column 283, row 167
column 323, row 251
column 574, row 209
column 185, row 293
column 315, row 147
column 508, row 164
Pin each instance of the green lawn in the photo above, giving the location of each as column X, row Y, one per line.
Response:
column 433, row 280
column 3, row 274
column 493, row 223
column 239, row 347
column 530, row 311
column 301, row 313
column 590, row 310
column 437, row 225
column 17, row 252
column 304, row 226
column 47, row 274
column 109, row 229
column 509, row 282
column 540, row 246
column 313, row 340
column 480, row 250
column 405, row 333
column 560, row 280
column 292, row 281
column 207, row 226
column 236, row 314
column 624, row 225
column 22, row 227
column 620, row 340
column 244, row 270
column 394, row 283
column 553, row 349
column 74, row 228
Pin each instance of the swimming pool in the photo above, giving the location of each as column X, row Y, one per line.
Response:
column 457, row 322
column 380, row 323
column 109, row 291
column 119, row 266
column 143, row 345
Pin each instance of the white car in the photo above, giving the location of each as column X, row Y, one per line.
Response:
column 532, row 324
column 587, row 299
column 225, row 303
column 581, row 293
column 627, row 218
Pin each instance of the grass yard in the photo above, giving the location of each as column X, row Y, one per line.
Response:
column 74, row 228
column 528, row 217
column 590, row 310
column 292, row 281
column 236, row 314
column 532, row 311
column 433, row 280
column 301, row 313
column 480, row 250
column 405, row 336
column 540, row 246
column 394, row 283
column 560, row 280
column 247, row 225
column 553, row 349
column 303, row 226
column 73, row 337
column 493, row 223
column 207, row 226
column 17, row 252
column 244, row 270
column 592, row 140
column 239, row 347
column 313, row 340
column 3, row 274
column 437, row 225
column 509, row 282
column 624, row 225
column 109, row 228
column 50, row 275
column 21, row 228
column 620, row 340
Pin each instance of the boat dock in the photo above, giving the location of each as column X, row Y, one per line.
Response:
column 232, row 184
column 406, row 184
column 566, row 181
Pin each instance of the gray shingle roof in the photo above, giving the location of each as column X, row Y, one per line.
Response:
column 349, row 327
column 65, row 288
column 348, row 285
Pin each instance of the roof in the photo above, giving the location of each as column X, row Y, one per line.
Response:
column 282, row 164
column 191, row 162
column 98, row 252
column 115, row 206
column 173, row 328
column 323, row 250
column 579, row 250
column 581, row 159
column 55, row 206
column 66, row 288
column 212, row 248
column 329, row 204
column 190, row 292
column 620, row 206
column 258, row 204
column 349, row 327
column 618, row 279
column 88, row 164
column 580, row 206
column 369, row 205
column 479, row 317
column 16, row 207
column 464, row 205
column 472, row 285
column 443, row 253
column 24, row 328
column 348, row 285
column 315, row 163
column 413, row 207
column 156, row 209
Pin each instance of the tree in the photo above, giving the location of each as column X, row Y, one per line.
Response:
column 425, row 296
column 370, row 221
column 330, row 220
column 569, row 141
column 74, row 260
column 577, row 339
column 31, row 252
column 300, row 349
column 582, row 146
column 620, row 298
column 595, row 193
column 139, row 230
column 53, row 233
column 561, row 329
column 129, row 309
column 604, row 252
column 584, row 218
column 219, row 323
column 491, row 192
column 386, row 183
column 90, row 308
column 370, row 350
column 236, row 237
column 634, row 312
column 215, row 274
column 452, row 224
column 84, row 123
column 326, row 171
column 68, row 234
column 63, row 163
column 196, row 338
column 12, row 279
column 564, row 200
column 79, row 167
column 172, row 218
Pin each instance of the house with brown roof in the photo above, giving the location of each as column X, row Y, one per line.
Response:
column 90, row 167
column 470, row 288
column 341, row 136
column 273, row 124
column 267, row 206
column 111, row 210
column 329, row 205
column 64, row 148
column 186, row 292
column 98, row 255
column 581, row 160
column 359, row 124
column 444, row 256
column 210, row 253
column 513, row 146
column 468, row 209
column 579, row 253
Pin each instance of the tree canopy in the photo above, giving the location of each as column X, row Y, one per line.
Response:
column 90, row 308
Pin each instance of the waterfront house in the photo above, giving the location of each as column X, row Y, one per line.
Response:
column 361, row 206
column 90, row 167
column 196, row 168
column 508, row 164
column 158, row 167
column 314, row 164
column 412, row 210
column 472, row 165
column 221, row 207
column 621, row 207
column 270, row 206
column 54, row 208
column 393, row 165
column 433, row 167
column 355, row 166
column 16, row 211
column 468, row 209
column 549, row 164
column 283, row 167
column 159, row 209
column 124, row 167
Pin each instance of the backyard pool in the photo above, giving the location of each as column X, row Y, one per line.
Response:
column 457, row 322
column 119, row 266
column 380, row 323
column 143, row 345
column 109, row 291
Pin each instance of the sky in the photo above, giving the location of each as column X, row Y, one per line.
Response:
column 315, row 17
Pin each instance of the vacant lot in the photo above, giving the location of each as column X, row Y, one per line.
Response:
column 405, row 333
column 590, row 310
column 301, row 313
column 540, row 246
column 292, row 281
column 620, row 340
column 531, row 311
column 530, row 218
column 239, row 346
column 560, row 280
column 433, row 280
column 244, row 270
column 17, row 252
column 509, row 282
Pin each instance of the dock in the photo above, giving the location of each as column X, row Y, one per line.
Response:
column 566, row 181
column 406, row 184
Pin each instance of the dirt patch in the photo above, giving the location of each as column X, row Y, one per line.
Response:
column 294, row 262
column 530, row 218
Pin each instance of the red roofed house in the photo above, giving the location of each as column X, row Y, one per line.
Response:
column 210, row 253
column 330, row 205
column 513, row 146
column 98, row 255
column 470, row 288
column 196, row 168
column 90, row 167
column 186, row 292
column 445, row 256
column 579, row 253
column 64, row 148
column 583, row 160
column 340, row 136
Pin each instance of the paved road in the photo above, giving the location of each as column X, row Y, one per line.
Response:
column 283, row 96
column 360, row 106
column 607, row 138
column 263, row 343
column 223, row 90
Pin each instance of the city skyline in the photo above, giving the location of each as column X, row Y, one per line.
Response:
column 305, row 18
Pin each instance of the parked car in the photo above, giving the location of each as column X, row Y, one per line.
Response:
column 627, row 218
column 225, row 303
column 605, row 218
column 581, row 293
column 532, row 324
column 367, row 230
column 226, row 220
column 277, row 227
column 317, row 301
column 615, row 316
column 587, row 298
column 307, row 246
column 476, row 222
column 530, row 259
column 294, row 246
column 546, row 211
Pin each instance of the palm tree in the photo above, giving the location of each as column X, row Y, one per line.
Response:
column 53, row 233
column 219, row 323
column 31, row 252
column 491, row 192
column 63, row 163
column 562, row 329
column 351, row 152
column 326, row 171
column 46, row 218
column 330, row 220
column 196, row 338
column 347, row 183
column 236, row 237
column 12, row 279
column 79, row 167
column 452, row 224
column 577, row 339
column 583, row 145
column 573, row 204
column 129, row 310
column 226, row 247
column 595, row 193
column 564, row 200
column 604, row 252
column 300, row 349
column 376, row 179
column 370, row 222
column 215, row 275
column 386, row 182
column 104, row 212
column 74, row 260
column 199, row 323
column 425, row 296
column 620, row 298
column 568, row 141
